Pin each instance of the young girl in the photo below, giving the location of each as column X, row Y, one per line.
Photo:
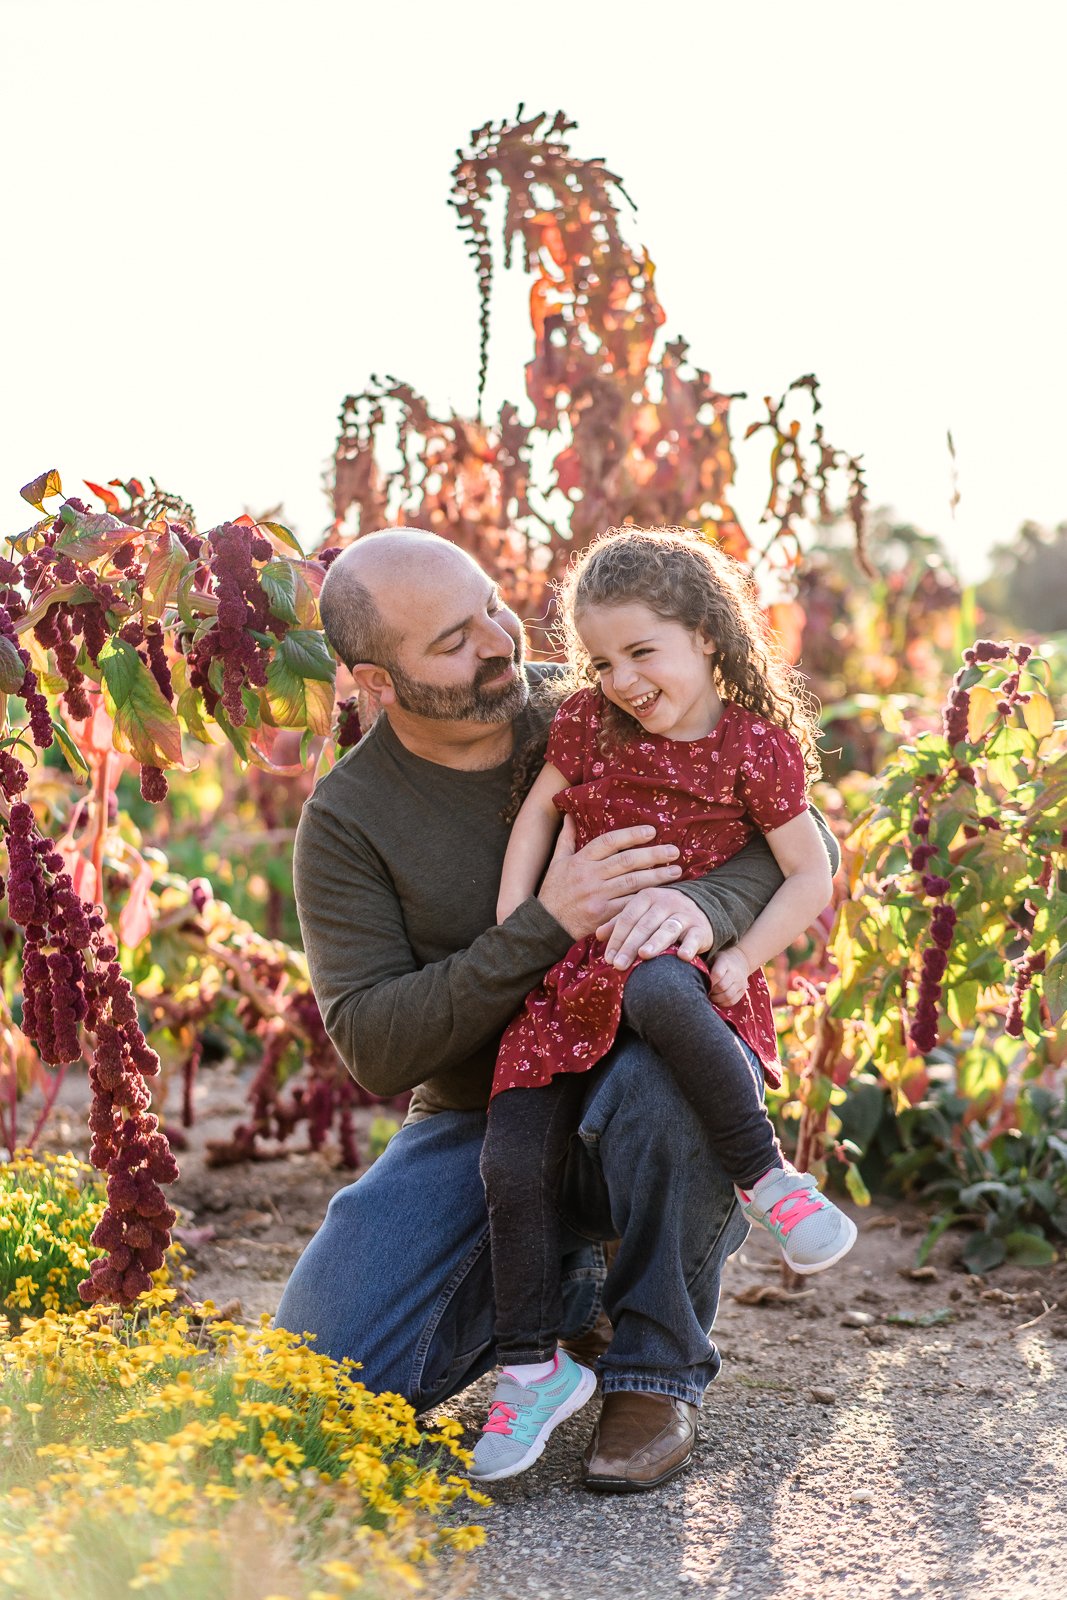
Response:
column 696, row 725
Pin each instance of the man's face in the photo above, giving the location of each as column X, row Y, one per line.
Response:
column 461, row 653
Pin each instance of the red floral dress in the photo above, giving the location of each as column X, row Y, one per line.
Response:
column 707, row 796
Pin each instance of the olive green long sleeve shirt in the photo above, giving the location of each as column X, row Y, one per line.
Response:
column 396, row 871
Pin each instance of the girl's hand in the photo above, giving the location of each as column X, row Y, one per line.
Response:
column 730, row 973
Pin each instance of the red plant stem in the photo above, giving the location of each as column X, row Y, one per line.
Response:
column 103, row 790
column 11, row 1129
column 54, row 1087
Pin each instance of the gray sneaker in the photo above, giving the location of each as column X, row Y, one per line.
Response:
column 521, row 1419
column 810, row 1229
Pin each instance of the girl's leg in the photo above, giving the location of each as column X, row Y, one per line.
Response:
column 525, row 1144
column 665, row 1002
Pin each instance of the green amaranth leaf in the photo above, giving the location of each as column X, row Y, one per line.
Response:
column 305, row 652
column 163, row 574
column 12, row 669
column 89, row 534
column 146, row 726
column 1054, row 984
column 1028, row 1249
column 298, row 702
column 982, row 1252
column 279, row 581
column 74, row 758
column 282, row 534
column 190, row 706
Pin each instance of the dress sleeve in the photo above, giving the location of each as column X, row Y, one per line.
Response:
column 571, row 735
column 770, row 779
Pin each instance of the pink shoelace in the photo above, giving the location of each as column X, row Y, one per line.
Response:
column 793, row 1209
column 501, row 1416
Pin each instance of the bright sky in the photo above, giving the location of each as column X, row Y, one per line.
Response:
column 221, row 217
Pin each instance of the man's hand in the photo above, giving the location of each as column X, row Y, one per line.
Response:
column 586, row 888
column 654, row 921
column 730, row 973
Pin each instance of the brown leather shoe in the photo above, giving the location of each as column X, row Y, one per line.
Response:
column 640, row 1441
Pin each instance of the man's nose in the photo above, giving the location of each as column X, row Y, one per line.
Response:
column 495, row 640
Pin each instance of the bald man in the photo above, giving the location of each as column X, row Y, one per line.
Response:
column 396, row 870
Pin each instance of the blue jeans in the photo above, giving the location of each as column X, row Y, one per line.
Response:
column 398, row 1276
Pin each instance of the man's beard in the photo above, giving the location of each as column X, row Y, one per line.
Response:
column 468, row 702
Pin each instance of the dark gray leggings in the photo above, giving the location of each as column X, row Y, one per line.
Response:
column 666, row 1003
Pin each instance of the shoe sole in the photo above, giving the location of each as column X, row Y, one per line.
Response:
column 804, row 1269
column 583, row 1392
column 628, row 1486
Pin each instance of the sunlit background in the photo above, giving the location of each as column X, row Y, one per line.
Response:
column 223, row 217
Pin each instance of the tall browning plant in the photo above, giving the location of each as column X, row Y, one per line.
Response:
column 629, row 427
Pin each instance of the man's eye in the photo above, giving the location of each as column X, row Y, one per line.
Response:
column 454, row 649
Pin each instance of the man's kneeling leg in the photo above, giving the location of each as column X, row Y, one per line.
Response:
column 398, row 1276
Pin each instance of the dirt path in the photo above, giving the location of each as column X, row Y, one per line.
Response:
column 842, row 1452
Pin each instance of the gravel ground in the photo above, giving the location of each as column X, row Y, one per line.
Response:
column 841, row 1452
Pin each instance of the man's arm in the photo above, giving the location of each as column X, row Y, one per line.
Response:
column 394, row 1023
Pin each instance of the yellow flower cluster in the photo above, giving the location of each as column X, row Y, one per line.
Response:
column 49, row 1207
column 165, row 1452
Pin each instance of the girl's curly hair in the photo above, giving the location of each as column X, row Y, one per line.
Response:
column 686, row 578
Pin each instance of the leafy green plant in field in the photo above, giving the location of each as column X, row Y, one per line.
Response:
column 956, row 926
column 1009, row 1186
column 953, row 943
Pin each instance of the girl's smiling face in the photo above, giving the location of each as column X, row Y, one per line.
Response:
column 655, row 669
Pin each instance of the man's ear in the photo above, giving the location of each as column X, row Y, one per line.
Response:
column 375, row 683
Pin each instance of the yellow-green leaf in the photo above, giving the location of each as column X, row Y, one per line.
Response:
column 190, row 707
column 74, row 758
column 858, row 1191
column 961, row 1003
column 166, row 564
column 981, row 712
column 146, row 726
column 1038, row 716
column 42, row 488
column 1054, row 985
column 281, row 535
column 298, row 702
column 12, row 669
